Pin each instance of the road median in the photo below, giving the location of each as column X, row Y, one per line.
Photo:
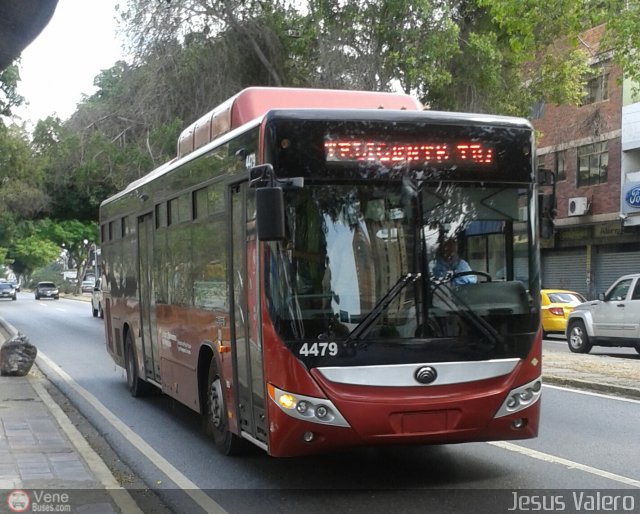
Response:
column 603, row 373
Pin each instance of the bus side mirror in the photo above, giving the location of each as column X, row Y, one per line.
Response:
column 270, row 213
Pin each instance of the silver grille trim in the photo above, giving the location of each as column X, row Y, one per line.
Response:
column 402, row 375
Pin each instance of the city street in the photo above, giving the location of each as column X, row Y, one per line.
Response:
column 587, row 441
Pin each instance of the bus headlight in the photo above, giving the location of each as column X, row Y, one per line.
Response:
column 307, row 408
column 286, row 401
column 520, row 398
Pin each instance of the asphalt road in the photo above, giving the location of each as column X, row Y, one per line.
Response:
column 587, row 442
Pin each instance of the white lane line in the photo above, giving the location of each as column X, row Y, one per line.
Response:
column 591, row 393
column 534, row 454
column 158, row 460
column 120, row 496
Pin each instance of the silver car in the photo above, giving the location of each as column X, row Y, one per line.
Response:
column 7, row 290
column 612, row 320
column 96, row 300
column 46, row 290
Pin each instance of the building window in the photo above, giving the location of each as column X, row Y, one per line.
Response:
column 559, row 166
column 593, row 164
column 597, row 87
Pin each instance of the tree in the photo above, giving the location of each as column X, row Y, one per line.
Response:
column 9, row 97
column 21, row 194
column 378, row 44
column 76, row 238
column 44, row 240
column 149, row 23
column 32, row 252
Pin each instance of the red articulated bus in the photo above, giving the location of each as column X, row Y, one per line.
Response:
column 283, row 275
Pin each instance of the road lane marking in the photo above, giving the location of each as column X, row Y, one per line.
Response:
column 546, row 457
column 591, row 393
column 120, row 495
column 199, row 496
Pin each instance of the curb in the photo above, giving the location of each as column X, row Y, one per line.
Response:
column 97, row 466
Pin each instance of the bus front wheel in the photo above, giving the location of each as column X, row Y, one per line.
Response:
column 215, row 420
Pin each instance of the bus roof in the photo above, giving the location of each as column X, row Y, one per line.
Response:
column 254, row 102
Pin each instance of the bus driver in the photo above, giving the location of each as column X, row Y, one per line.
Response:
column 448, row 261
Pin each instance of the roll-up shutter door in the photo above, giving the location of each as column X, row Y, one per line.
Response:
column 610, row 265
column 565, row 270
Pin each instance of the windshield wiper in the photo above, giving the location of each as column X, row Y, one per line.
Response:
column 455, row 301
column 382, row 304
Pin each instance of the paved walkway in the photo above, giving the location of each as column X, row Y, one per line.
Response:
column 42, row 453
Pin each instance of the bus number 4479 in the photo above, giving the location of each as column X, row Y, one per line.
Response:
column 319, row 349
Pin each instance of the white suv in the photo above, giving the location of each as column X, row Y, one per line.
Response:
column 96, row 300
column 612, row 320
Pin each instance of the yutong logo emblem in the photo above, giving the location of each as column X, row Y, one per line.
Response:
column 426, row 375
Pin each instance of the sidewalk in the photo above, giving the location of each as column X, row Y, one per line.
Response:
column 45, row 462
column 42, row 452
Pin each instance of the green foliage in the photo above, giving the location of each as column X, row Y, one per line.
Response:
column 21, row 193
column 52, row 272
column 623, row 36
column 9, row 97
column 32, row 252
column 38, row 243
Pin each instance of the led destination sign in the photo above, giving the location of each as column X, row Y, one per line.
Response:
column 411, row 152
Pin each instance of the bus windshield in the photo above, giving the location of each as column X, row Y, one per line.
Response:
column 360, row 265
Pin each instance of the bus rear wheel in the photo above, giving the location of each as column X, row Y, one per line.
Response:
column 137, row 386
column 215, row 418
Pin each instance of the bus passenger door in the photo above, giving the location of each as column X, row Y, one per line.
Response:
column 145, row 288
column 245, row 337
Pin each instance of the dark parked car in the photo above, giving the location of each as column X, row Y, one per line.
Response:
column 7, row 290
column 46, row 290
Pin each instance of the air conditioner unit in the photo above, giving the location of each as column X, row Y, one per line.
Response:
column 578, row 206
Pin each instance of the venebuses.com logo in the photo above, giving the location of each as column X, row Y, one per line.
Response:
column 18, row 501
column 37, row 500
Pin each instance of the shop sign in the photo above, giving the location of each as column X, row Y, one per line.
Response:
column 575, row 234
column 631, row 197
column 607, row 230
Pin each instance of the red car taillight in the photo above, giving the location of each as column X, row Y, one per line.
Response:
column 558, row 311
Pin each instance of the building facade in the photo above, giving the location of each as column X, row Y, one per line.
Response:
column 594, row 150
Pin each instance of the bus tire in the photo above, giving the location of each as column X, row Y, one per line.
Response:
column 215, row 419
column 137, row 386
